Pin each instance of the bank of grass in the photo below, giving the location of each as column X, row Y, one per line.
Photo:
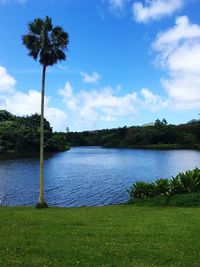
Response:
column 124, row 235
column 179, row 200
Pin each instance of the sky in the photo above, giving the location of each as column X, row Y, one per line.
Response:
column 128, row 62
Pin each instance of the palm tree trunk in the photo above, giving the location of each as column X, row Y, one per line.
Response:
column 41, row 196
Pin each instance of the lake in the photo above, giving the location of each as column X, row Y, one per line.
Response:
column 87, row 176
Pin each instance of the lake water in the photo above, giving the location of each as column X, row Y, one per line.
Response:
column 86, row 176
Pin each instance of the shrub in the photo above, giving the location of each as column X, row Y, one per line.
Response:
column 175, row 185
column 187, row 182
column 142, row 190
column 162, row 187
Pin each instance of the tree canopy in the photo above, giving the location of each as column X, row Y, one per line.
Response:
column 46, row 42
column 157, row 136
column 22, row 134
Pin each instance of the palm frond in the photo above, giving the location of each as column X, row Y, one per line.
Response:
column 36, row 26
column 60, row 55
column 48, row 24
column 32, row 43
column 60, row 37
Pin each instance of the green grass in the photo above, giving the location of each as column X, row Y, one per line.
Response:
column 125, row 235
column 178, row 200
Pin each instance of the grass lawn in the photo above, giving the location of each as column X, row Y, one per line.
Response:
column 179, row 200
column 125, row 235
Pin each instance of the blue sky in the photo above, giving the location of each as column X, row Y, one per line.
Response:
column 128, row 63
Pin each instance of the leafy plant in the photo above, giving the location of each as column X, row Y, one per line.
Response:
column 175, row 185
column 187, row 182
column 162, row 187
column 142, row 190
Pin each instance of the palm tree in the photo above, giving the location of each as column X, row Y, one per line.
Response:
column 47, row 44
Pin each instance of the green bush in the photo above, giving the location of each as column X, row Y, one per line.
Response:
column 175, row 185
column 142, row 190
column 162, row 187
column 187, row 182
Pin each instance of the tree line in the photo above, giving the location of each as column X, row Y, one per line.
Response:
column 22, row 134
column 160, row 135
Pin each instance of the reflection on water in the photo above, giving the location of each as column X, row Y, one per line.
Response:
column 17, row 156
column 87, row 176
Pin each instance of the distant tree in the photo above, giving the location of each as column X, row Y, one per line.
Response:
column 22, row 134
column 164, row 122
column 46, row 43
column 159, row 123
column 5, row 115
column 122, row 132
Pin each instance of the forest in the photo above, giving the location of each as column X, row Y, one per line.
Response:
column 22, row 134
column 159, row 135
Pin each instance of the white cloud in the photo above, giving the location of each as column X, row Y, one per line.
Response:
column 184, row 90
column 152, row 101
column 91, row 106
column 93, row 78
column 155, row 9
column 179, row 54
column 20, row 103
column 57, row 118
column 182, row 31
column 106, row 104
column 66, row 91
column 7, row 82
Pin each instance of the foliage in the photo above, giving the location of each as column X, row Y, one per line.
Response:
column 185, row 136
column 159, row 123
column 187, row 182
column 157, row 136
column 57, row 143
column 46, row 42
column 22, row 134
column 178, row 200
column 142, row 190
column 5, row 116
column 162, row 187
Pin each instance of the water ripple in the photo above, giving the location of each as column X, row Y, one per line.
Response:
column 87, row 176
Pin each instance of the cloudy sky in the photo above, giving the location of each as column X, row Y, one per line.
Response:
column 128, row 63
